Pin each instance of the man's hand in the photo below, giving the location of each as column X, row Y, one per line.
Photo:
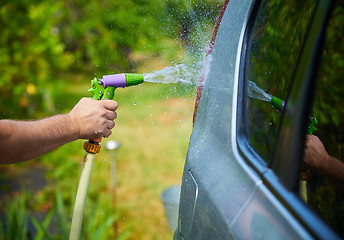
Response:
column 93, row 119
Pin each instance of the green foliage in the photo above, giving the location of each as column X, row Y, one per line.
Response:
column 17, row 213
column 16, row 226
column 328, row 105
column 328, row 108
column 93, row 227
column 97, row 222
column 328, row 202
column 277, row 41
column 30, row 54
column 105, row 34
column 189, row 20
column 43, row 40
column 43, row 227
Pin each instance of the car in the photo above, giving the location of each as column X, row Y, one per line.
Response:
column 241, row 177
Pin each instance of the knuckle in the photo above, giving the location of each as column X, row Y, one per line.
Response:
column 111, row 105
column 103, row 121
column 108, row 133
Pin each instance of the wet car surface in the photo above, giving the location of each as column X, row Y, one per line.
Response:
column 242, row 173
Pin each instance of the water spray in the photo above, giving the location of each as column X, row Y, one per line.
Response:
column 92, row 146
column 255, row 92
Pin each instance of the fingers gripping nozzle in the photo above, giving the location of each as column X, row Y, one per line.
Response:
column 109, row 83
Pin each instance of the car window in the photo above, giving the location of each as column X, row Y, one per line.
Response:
column 328, row 108
column 277, row 38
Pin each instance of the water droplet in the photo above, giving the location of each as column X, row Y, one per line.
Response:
column 134, row 103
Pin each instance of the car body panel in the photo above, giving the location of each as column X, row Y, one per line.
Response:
column 221, row 196
column 213, row 127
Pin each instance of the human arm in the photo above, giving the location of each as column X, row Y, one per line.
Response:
column 24, row 140
column 316, row 156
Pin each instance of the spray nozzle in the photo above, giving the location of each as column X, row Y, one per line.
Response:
column 111, row 82
column 280, row 104
column 277, row 103
column 121, row 80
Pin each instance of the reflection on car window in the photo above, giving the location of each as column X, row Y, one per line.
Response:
column 326, row 199
column 277, row 39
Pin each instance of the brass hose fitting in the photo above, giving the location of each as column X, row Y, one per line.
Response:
column 92, row 147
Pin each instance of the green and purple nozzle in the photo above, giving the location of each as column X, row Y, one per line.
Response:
column 280, row 105
column 111, row 82
column 121, row 80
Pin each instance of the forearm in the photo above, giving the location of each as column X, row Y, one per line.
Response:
column 316, row 156
column 333, row 171
column 89, row 119
column 21, row 141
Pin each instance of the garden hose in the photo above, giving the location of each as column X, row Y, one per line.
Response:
column 92, row 146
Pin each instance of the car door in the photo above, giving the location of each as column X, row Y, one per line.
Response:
column 242, row 170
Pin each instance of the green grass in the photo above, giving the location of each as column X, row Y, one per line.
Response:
column 154, row 136
column 153, row 127
column 16, row 226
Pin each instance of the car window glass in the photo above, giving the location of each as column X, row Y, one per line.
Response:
column 328, row 108
column 277, row 39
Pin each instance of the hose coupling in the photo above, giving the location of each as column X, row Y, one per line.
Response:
column 92, row 146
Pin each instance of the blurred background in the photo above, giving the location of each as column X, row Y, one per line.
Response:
column 49, row 52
